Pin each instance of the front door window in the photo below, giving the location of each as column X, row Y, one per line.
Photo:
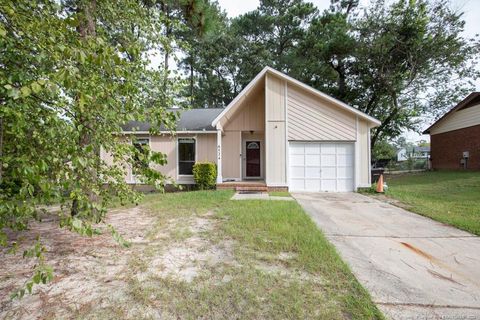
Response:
column 253, row 159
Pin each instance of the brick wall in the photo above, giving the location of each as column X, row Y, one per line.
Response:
column 447, row 148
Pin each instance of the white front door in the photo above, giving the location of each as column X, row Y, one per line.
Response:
column 316, row 166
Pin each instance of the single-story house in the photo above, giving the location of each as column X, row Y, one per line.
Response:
column 455, row 137
column 278, row 132
column 415, row 153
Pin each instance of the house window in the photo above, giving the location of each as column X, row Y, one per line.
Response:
column 139, row 159
column 186, row 156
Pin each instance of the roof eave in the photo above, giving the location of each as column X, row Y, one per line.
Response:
column 458, row 106
column 373, row 121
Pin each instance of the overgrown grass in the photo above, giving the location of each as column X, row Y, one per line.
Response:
column 284, row 227
column 451, row 197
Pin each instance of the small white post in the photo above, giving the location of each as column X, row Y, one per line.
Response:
column 219, row 154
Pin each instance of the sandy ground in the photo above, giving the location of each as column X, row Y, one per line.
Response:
column 92, row 272
column 85, row 268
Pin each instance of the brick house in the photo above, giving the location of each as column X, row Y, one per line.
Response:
column 455, row 137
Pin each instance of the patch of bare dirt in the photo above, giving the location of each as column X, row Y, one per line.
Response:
column 86, row 269
column 95, row 273
column 185, row 259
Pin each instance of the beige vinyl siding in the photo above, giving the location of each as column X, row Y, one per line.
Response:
column 168, row 145
column 363, row 166
column 459, row 119
column 231, row 146
column 311, row 118
column 207, row 147
column 250, row 115
column 275, row 135
column 275, row 107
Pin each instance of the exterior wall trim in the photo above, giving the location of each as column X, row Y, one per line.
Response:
column 356, row 146
column 287, row 144
column 266, row 129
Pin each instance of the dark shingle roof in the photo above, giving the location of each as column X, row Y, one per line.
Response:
column 190, row 120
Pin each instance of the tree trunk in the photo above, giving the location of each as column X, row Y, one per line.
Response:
column 341, row 81
column 86, row 29
column 393, row 113
column 168, row 31
column 191, row 81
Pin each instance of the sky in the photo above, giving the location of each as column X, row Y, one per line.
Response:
column 471, row 9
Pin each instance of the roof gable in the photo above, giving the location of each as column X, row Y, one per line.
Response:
column 259, row 78
column 471, row 100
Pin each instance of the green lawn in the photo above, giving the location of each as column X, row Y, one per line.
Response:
column 279, row 194
column 284, row 266
column 451, row 197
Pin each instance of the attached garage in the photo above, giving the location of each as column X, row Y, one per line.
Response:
column 317, row 166
column 311, row 142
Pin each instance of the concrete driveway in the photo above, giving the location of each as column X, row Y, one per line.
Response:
column 414, row 267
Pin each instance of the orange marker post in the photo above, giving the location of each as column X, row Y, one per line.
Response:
column 380, row 184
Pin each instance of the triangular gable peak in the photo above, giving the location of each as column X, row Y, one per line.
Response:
column 259, row 80
column 473, row 99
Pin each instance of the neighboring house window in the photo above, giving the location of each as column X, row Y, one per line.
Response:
column 186, row 156
column 139, row 162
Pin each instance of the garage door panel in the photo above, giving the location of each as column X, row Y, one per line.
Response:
column 321, row 166
column 328, row 160
column 297, row 148
column 344, row 149
column 297, row 184
column 312, row 148
column 344, row 185
column 312, row 160
column 297, row 160
column 328, row 185
column 329, row 173
column 344, row 172
column 345, row 160
column 312, row 185
column 297, row 172
column 328, row 148
column 312, row 172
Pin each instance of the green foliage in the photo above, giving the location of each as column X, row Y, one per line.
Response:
column 72, row 73
column 42, row 273
column 205, row 175
column 383, row 150
column 397, row 61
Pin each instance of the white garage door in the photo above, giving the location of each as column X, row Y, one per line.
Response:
column 321, row 166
